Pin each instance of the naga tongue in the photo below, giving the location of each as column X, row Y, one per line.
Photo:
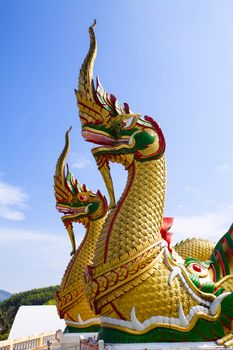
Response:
column 99, row 139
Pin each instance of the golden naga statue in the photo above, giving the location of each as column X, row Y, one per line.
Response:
column 143, row 288
column 78, row 204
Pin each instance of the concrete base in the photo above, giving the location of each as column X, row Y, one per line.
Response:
column 164, row 346
column 71, row 341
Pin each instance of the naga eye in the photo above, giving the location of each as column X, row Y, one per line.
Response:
column 198, row 269
column 82, row 198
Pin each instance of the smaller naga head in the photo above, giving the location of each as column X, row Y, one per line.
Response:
column 74, row 200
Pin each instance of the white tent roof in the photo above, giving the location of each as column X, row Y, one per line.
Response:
column 34, row 320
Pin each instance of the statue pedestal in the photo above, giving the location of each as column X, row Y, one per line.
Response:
column 88, row 341
column 164, row 346
column 72, row 341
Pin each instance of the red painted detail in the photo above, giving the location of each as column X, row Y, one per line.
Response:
column 229, row 248
column 214, row 273
column 203, row 335
column 112, row 99
column 97, row 138
column 223, row 323
column 67, row 186
column 167, row 236
column 213, row 332
column 126, row 108
column 72, row 319
column 218, row 256
column 138, row 154
column 231, row 233
column 118, row 312
column 117, row 210
column 91, row 109
column 84, row 119
column 196, row 267
column 162, row 143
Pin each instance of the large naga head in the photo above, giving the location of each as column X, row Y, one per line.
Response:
column 122, row 136
column 74, row 200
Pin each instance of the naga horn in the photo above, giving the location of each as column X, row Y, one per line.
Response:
column 86, row 83
column 61, row 192
column 59, row 173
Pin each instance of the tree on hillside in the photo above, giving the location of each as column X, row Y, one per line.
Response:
column 9, row 307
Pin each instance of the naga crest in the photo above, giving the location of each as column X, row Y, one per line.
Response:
column 74, row 200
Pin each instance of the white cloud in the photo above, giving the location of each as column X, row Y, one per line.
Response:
column 33, row 258
column 78, row 160
column 8, row 235
column 191, row 189
column 81, row 164
column 208, row 225
column 12, row 200
column 225, row 167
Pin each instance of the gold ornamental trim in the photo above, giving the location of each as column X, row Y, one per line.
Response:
column 165, row 325
column 128, row 269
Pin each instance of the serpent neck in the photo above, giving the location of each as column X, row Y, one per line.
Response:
column 83, row 256
column 137, row 217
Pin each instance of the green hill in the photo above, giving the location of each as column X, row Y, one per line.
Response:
column 4, row 295
column 10, row 306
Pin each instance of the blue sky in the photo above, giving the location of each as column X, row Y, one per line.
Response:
column 168, row 59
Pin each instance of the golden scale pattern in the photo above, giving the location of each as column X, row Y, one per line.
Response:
column 196, row 247
column 142, row 211
column 111, row 276
column 154, row 296
column 143, row 207
column 71, row 292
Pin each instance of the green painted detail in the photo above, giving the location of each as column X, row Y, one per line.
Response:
column 219, row 291
column 216, row 266
column 226, row 305
column 224, row 259
column 110, row 130
column 195, row 279
column 143, row 139
column 191, row 260
column 93, row 207
column 201, row 332
column 90, row 329
column 207, row 287
column 220, row 249
column 116, row 128
column 69, row 183
column 229, row 240
column 154, row 157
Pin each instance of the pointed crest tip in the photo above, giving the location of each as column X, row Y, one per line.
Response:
column 93, row 25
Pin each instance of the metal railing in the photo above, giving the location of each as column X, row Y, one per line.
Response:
column 29, row 343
